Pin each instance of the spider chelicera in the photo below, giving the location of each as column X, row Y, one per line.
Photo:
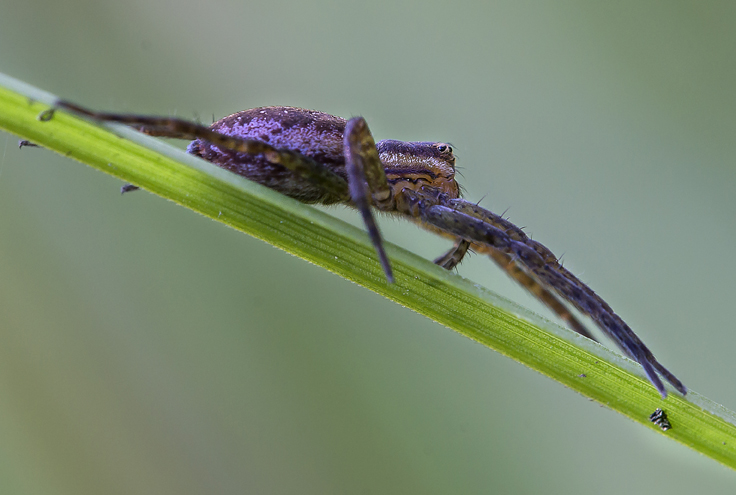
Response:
column 319, row 158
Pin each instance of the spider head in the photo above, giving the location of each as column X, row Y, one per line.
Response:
column 413, row 165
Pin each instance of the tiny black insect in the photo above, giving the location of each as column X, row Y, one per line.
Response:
column 659, row 418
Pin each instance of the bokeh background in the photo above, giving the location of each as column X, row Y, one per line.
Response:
column 146, row 349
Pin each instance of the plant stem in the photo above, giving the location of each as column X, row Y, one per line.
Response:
column 578, row 363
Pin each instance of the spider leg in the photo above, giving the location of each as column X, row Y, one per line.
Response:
column 454, row 256
column 531, row 284
column 487, row 237
column 367, row 176
column 183, row 129
column 517, row 234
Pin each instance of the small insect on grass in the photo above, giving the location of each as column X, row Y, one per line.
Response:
column 659, row 418
column 315, row 157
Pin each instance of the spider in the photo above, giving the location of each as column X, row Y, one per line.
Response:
column 315, row 157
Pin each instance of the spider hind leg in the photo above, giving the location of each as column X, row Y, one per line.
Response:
column 184, row 129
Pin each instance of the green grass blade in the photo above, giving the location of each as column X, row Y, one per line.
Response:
column 323, row 240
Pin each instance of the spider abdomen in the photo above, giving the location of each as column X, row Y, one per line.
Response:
column 316, row 135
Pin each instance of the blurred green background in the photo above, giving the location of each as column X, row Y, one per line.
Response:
column 146, row 349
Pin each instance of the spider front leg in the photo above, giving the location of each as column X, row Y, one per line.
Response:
column 481, row 228
column 509, row 265
column 531, row 284
column 366, row 176
column 453, row 257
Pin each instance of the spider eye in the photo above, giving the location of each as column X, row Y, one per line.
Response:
column 444, row 148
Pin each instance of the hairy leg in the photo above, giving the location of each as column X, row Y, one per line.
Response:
column 491, row 233
column 516, row 272
column 366, row 177
column 453, row 257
